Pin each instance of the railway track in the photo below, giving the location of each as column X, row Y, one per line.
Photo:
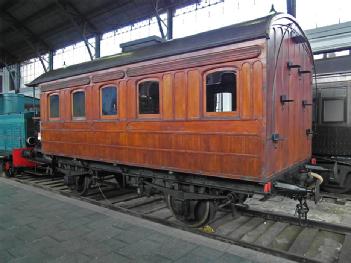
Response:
column 340, row 199
column 277, row 234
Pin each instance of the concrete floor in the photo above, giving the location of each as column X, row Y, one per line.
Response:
column 39, row 226
column 325, row 210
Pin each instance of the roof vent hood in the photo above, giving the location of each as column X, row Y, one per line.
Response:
column 140, row 43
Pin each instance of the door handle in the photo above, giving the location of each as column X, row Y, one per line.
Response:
column 276, row 138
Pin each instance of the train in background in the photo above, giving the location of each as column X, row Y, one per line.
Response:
column 19, row 120
column 332, row 122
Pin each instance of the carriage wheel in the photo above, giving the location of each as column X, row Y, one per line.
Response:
column 120, row 183
column 83, row 184
column 2, row 167
column 9, row 170
column 193, row 213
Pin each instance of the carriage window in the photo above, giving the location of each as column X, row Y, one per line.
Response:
column 78, row 104
column 149, row 97
column 109, row 101
column 221, row 91
column 54, row 106
column 334, row 110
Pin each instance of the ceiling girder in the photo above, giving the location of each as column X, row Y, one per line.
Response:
column 34, row 16
column 44, row 11
column 73, row 12
column 8, row 4
column 5, row 55
column 124, row 12
column 113, row 5
column 19, row 26
column 78, row 21
column 30, row 38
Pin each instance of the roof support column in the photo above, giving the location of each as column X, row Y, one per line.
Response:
column 97, row 45
column 12, row 75
column 51, row 60
column 170, row 13
column 42, row 63
column 291, row 7
column 78, row 21
column 159, row 22
column 18, row 78
column 86, row 42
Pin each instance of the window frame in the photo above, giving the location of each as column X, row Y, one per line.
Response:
column 107, row 85
column 345, row 109
column 204, row 95
column 147, row 115
column 85, row 104
column 49, row 106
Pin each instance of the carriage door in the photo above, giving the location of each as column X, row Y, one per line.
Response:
column 283, row 103
column 298, row 101
column 292, row 103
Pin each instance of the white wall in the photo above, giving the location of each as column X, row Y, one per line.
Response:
column 23, row 89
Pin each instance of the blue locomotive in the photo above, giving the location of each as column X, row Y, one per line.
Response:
column 18, row 114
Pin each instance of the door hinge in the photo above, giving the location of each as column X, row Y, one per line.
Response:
column 304, row 72
column 291, row 65
column 305, row 103
column 284, row 99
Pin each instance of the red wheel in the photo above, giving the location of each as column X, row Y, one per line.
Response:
column 8, row 169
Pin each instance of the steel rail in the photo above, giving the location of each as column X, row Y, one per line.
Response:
column 253, row 213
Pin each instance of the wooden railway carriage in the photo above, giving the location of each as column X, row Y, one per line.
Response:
column 201, row 118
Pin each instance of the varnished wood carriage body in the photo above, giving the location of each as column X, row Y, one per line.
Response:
column 264, row 135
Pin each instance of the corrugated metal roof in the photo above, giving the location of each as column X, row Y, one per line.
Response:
column 330, row 38
column 245, row 31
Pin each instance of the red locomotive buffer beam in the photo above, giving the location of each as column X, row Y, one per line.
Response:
column 18, row 161
column 267, row 188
